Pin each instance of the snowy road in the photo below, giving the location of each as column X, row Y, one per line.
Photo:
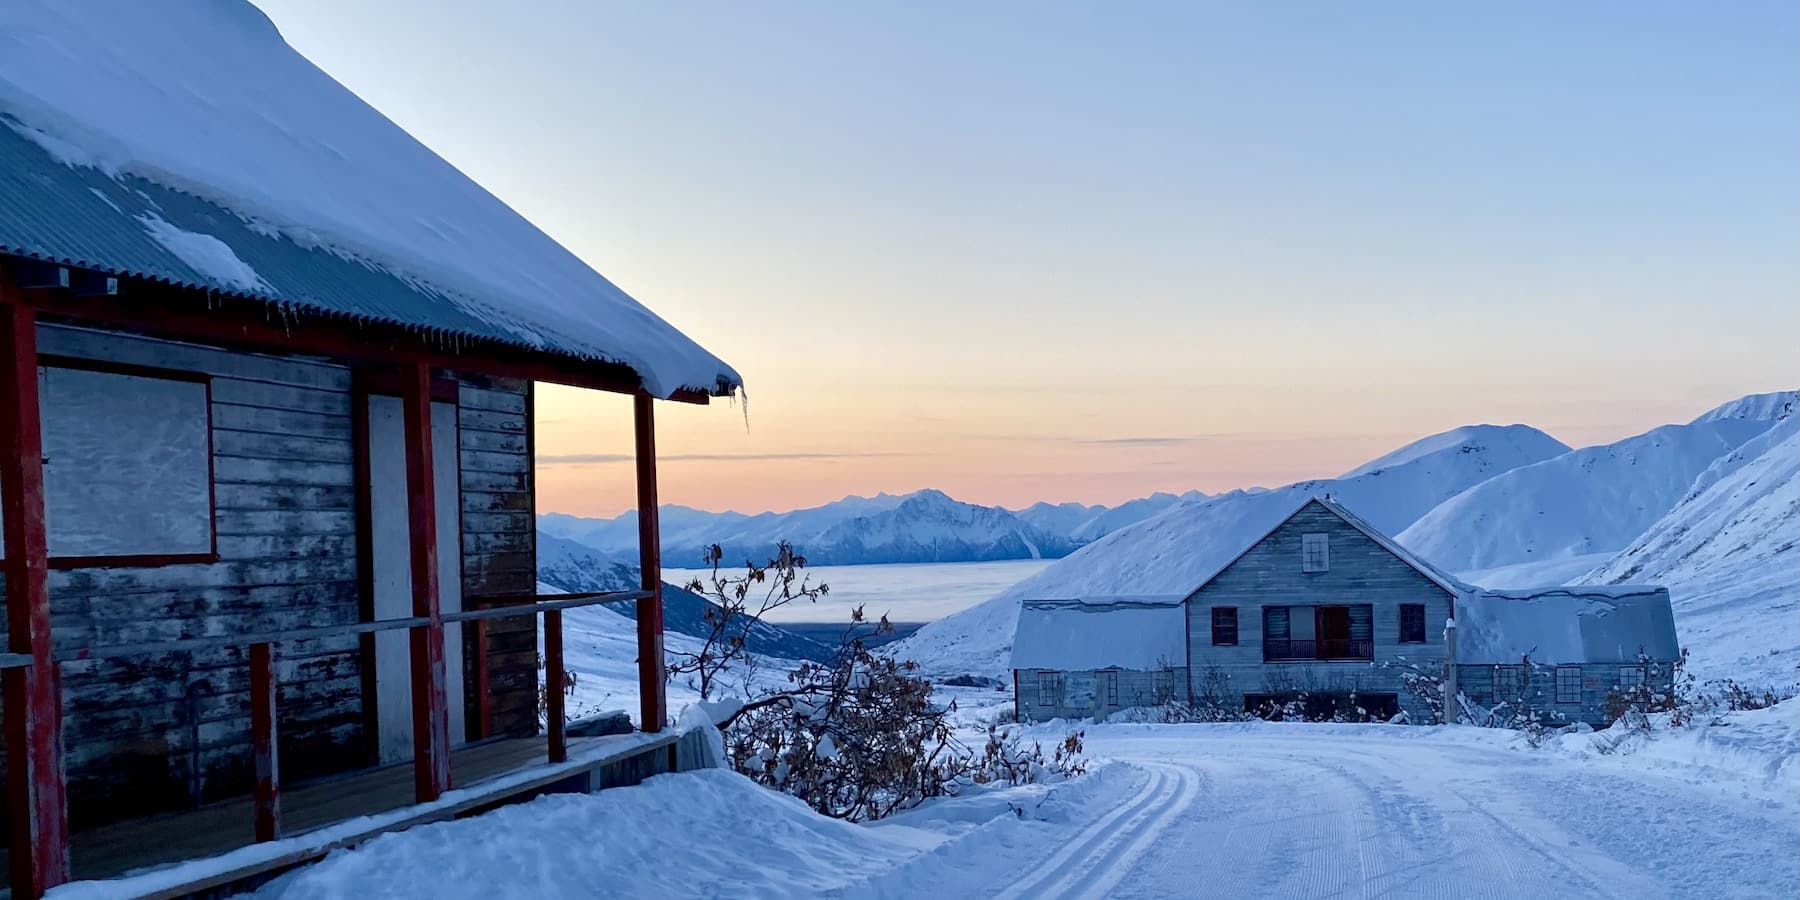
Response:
column 1241, row 810
column 1260, row 813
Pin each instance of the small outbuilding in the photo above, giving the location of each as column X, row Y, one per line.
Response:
column 1092, row 656
column 1564, row 653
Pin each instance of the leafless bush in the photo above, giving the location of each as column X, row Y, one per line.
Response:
column 739, row 603
column 859, row 737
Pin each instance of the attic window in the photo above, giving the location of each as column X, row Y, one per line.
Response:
column 1315, row 552
column 127, row 465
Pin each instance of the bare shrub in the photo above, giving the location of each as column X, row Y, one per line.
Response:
column 739, row 603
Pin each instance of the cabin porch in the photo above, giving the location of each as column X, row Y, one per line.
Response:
column 487, row 774
column 362, row 570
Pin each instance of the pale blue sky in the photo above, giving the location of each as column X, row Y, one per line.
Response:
column 961, row 247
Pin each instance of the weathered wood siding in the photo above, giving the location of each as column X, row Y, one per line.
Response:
column 500, row 544
column 1537, row 689
column 1137, row 687
column 1361, row 572
column 165, row 731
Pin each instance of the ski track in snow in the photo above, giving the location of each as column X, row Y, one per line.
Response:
column 1319, row 815
column 1094, row 860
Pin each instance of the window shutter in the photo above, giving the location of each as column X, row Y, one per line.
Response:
column 1362, row 623
column 1275, row 622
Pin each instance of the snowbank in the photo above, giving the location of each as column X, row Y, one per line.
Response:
column 686, row 835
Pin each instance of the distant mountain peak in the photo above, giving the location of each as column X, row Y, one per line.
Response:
column 1468, row 439
column 1765, row 407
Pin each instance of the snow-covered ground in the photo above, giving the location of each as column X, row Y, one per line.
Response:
column 1239, row 810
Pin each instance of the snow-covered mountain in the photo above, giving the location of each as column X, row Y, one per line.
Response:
column 1588, row 501
column 1174, row 551
column 1765, row 407
column 924, row 526
column 1729, row 552
column 568, row 567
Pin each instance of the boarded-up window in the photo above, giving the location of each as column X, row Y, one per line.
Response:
column 127, row 463
column 1412, row 623
column 1164, row 685
column 1050, row 688
column 1506, row 683
column 1224, row 626
column 1315, row 552
column 1568, row 684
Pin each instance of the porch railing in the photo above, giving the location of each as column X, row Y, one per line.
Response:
column 1296, row 650
column 263, row 683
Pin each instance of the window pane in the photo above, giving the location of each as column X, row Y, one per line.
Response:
column 126, row 468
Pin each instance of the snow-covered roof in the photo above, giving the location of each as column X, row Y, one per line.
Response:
column 1101, row 633
column 185, row 141
column 1558, row 625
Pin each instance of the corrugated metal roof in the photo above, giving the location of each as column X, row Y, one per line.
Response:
column 81, row 216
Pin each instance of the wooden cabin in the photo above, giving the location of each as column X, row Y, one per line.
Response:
column 1327, row 611
column 266, row 459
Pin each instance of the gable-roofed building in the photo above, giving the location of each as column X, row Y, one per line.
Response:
column 266, row 463
column 1327, row 610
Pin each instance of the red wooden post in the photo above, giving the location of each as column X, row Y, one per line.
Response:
column 431, row 712
column 39, row 839
column 263, row 742
column 484, row 711
column 557, row 717
column 654, row 701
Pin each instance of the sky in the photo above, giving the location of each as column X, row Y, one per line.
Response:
column 1054, row 251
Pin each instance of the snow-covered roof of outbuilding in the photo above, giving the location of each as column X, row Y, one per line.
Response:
column 1566, row 625
column 1100, row 633
column 186, row 142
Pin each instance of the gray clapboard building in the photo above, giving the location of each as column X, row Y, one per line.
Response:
column 1327, row 611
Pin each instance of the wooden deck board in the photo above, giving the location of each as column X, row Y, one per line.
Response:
column 114, row 849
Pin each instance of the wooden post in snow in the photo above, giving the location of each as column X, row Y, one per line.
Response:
column 1451, row 706
column 654, row 703
column 37, row 799
column 556, row 717
column 431, row 712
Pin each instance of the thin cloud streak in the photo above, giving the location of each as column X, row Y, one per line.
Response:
column 587, row 459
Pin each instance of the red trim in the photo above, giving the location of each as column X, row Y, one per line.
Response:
column 652, row 690
column 263, row 743
column 431, row 717
column 149, row 560
column 392, row 382
column 145, row 561
column 205, row 316
column 37, row 802
column 555, row 716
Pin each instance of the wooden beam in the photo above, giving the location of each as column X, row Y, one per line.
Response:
column 35, row 274
column 264, row 742
column 86, row 283
column 652, row 690
column 431, row 712
column 186, row 314
column 556, row 717
column 37, row 799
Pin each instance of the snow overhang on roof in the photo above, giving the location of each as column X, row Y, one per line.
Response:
column 1143, row 633
column 1566, row 625
column 186, row 142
